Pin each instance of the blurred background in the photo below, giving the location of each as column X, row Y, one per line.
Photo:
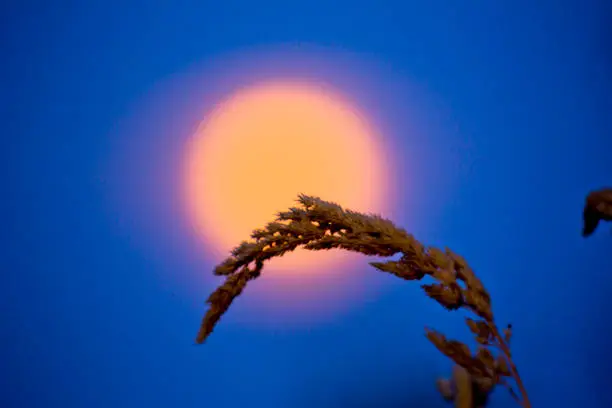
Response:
column 499, row 114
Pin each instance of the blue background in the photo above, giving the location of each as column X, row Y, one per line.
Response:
column 521, row 95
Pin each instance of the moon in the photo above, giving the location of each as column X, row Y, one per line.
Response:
column 265, row 144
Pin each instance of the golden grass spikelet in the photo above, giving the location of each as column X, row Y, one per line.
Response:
column 321, row 225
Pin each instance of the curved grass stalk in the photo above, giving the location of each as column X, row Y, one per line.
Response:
column 321, row 225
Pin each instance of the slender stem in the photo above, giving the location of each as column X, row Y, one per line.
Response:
column 511, row 391
column 503, row 346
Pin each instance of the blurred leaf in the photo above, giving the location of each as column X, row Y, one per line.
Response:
column 399, row 269
column 445, row 387
column 501, row 365
column 479, row 302
column 481, row 329
column 448, row 296
column 485, row 356
column 457, row 351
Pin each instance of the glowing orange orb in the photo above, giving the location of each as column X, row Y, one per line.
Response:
column 263, row 146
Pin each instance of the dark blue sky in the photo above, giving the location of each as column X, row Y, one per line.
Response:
column 101, row 295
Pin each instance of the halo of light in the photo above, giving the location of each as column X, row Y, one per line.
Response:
column 145, row 179
column 262, row 146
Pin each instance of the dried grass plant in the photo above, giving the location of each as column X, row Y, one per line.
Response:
column 320, row 225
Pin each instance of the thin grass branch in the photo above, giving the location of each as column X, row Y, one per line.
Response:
column 321, row 225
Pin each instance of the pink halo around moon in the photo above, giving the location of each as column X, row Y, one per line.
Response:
column 216, row 140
